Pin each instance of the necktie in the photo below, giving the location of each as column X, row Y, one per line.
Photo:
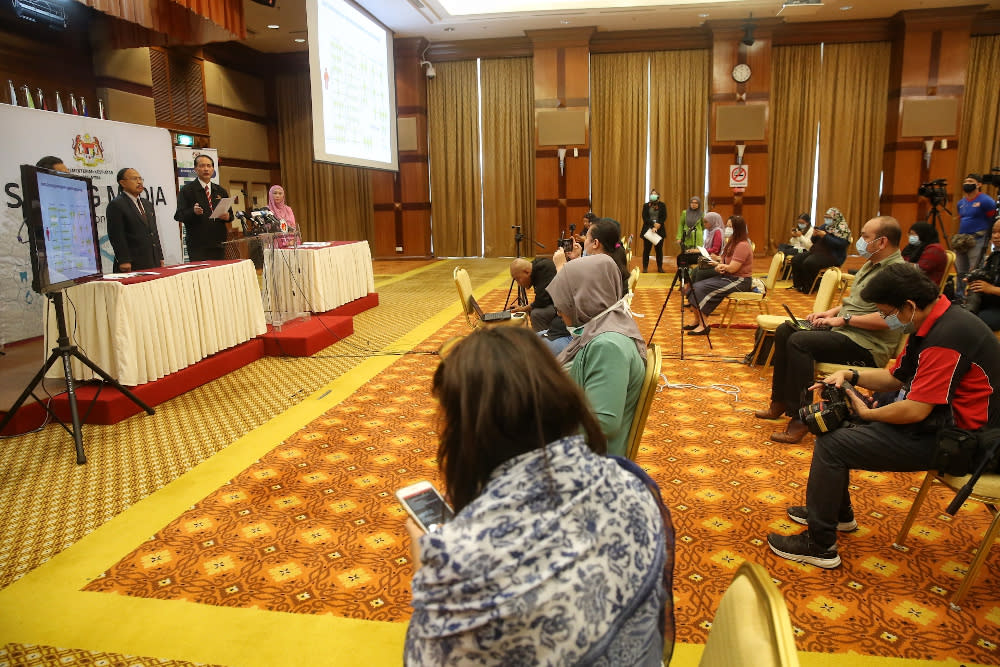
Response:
column 208, row 196
column 142, row 213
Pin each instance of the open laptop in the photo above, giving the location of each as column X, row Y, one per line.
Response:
column 800, row 324
column 489, row 317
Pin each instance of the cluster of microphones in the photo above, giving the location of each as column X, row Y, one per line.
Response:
column 260, row 221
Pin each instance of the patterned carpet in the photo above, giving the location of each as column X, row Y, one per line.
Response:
column 310, row 527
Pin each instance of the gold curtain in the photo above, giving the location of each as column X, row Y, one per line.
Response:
column 979, row 142
column 619, row 115
column 508, row 153
column 678, row 131
column 793, row 121
column 453, row 128
column 854, row 90
column 331, row 202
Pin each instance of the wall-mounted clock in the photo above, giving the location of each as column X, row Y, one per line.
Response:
column 741, row 73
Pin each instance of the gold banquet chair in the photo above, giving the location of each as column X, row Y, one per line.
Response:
column 737, row 299
column 654, row 363
column 633, row 280
column 986, row 491
column 949, row 265
column 751, row 625
column 464, row 285
column 769, row 323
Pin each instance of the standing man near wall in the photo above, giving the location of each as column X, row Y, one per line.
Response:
column 132, row 226
column 195, row 203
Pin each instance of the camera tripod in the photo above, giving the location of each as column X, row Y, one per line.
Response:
column 934, row 218
column 682, row 276
column 522, row 294
column 67, row 352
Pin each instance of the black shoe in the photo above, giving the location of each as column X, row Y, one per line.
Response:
column 801, row 548
column 689, row 327
column 703, row 332
column 659, row 269
column 800, row 514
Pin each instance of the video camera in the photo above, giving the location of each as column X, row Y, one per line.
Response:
column 832, row 410
column 935, row 191
column 687, row 259
column 992, row 177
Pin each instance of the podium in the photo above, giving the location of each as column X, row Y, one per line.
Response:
column 276, row 256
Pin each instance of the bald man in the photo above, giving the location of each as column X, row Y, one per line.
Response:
column 536, row 274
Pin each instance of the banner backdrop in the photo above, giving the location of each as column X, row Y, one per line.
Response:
column 90, row 147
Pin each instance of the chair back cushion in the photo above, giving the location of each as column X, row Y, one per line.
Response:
column 654, row 362
column 772, row 273
column 827, row 289
column 464, row 285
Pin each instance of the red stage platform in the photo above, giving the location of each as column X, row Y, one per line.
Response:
column 302, row 339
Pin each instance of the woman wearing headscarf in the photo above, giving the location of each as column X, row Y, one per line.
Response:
column 713, row 240
column 732, row 274
column 286, row 217
column 607, row 352
column 829, row 248
column 925, row 250
column 654, row 213
column 690, row 228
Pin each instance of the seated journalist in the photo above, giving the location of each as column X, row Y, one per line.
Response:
column 536, row 275
column 857, row 336
column 924, row 249
column 947, row 372
column 983, row 291
column 557, row 555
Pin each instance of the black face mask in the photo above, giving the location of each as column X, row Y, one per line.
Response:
column 968, row 187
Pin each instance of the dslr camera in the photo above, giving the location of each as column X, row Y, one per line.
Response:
column 831, row 410
column 992, row 177
column 935, row 191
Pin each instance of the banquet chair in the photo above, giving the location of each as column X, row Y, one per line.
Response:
column 822, row 369
column 751, row 625
column 654, row 362
column 948, row 266
column 986, row 491
column 464, row 285
column 737, row 299
column 633, row 280
column 822, row 272
column 768, row 324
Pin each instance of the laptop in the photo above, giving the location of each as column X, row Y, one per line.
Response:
column 489, row 317
column 803, row 325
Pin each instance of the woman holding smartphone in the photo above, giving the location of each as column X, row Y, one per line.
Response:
column 556, row 554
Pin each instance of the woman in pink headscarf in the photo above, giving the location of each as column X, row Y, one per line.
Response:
column 283, row 212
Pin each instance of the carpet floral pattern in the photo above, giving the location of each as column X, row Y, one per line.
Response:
column 314, row 527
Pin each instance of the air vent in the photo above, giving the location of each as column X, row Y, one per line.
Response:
column 417, row 4
column 178, row 90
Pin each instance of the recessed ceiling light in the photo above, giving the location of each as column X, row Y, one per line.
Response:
column 449, row 30
column 846, row 8
column 274, row 26
column 703, row 16
column 299, row 40
column 564, row 21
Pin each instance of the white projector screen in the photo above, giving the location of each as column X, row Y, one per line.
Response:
column 353, row 86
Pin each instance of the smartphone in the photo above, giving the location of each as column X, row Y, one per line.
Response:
column 425, row 505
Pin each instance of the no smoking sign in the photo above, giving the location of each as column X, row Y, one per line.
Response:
column 737, row 176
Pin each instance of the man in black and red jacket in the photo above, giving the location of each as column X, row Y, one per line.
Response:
column 945, row 376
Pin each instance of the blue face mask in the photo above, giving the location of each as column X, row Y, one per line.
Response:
column 914, row 239
column 894, row 323
column 862, row 247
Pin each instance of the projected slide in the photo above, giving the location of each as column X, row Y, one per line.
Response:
column 68, row 229
column 353, row 91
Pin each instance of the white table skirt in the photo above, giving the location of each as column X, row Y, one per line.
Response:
column 144, row 331
column 317, row 279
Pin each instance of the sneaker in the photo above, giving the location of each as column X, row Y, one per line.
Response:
column 801, row 548
column 800, row 514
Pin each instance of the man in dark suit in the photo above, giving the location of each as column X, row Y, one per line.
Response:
column 132, row 226
column 195, row 203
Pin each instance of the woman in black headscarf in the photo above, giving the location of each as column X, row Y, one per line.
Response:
column 925, row 251
column 654, row 213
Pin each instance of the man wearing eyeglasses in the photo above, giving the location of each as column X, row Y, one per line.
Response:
column 132, row 226
column 853, row 333
column 944, row 377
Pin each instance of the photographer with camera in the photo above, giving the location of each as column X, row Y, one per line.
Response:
column 801, row 238
column 536, row 274
column 829, row 248
column 851, row 333
column 945, row 376
column 975, row 211
column 654, row 213
column 983, row 286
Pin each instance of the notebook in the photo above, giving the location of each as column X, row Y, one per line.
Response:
column 802, row 325
column 489, row 317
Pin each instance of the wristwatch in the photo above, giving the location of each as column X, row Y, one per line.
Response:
column 847, row 320
column 854, row 377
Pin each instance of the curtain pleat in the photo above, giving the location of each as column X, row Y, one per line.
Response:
column 793, row 121
column 854, row 90
column 453, row 128
column 619, row 111
column 165, row 22
column 508, row 157
column 331, row 202
column 678, row 130
column 979, row 142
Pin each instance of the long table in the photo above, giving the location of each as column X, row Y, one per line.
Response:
column 143, row 328
column 317, row 277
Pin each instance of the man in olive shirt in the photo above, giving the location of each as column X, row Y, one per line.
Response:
column 858, row 336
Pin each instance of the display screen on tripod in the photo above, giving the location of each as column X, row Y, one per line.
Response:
column 62, row 229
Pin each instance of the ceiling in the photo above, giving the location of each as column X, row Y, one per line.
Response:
column 429, row 19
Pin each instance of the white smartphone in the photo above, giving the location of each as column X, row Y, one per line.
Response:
column 425, row 505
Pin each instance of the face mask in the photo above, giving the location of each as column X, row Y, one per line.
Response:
column 968, row 187
column 895, row 325
column 914, row 239
column 827, row 221
column 728, row 232
column 862, row 247
column 803, row 226
column 585, row 253
column 653, row 197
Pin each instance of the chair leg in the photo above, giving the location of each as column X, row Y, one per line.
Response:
column 726, row 312
column 770, row 353
column 991, row 535
column 912, row 516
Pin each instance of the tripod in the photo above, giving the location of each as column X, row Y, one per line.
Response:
column 522, row 294
column 63, row 350
column 682, row 276
column 934, row 218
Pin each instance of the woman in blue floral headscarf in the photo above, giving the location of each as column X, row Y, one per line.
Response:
column 829, row 248
column 557, row 555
